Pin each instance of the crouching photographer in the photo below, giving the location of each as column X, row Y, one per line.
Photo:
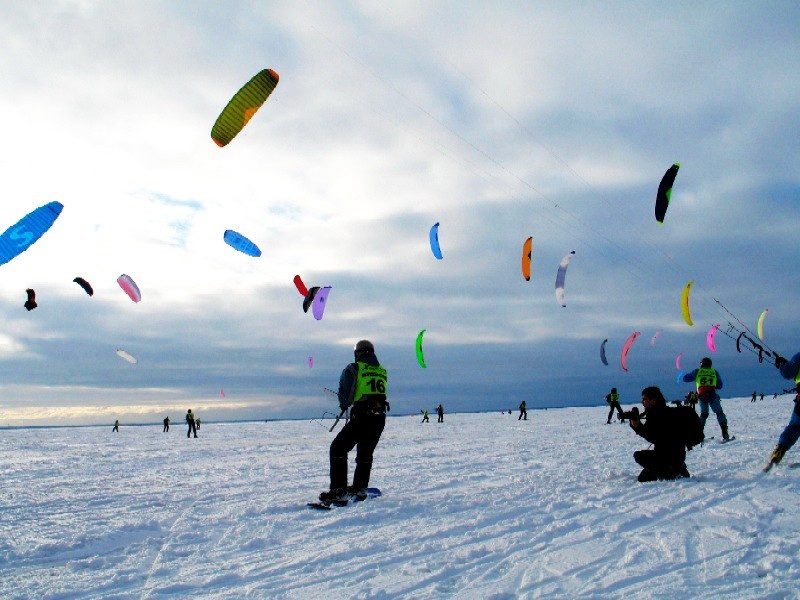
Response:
column 667, row 458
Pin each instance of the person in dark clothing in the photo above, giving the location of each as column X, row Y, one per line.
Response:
column 166, row 424
column 190, row 422
column 440, row 412
column 116, row 426
column 523, row 411
column 667, row 458
column 363, row 387
column 613, row 402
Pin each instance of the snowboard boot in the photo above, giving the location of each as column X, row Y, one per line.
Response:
column 724, row 429
column 357, row 493
column 334, row 495
column 777, row 454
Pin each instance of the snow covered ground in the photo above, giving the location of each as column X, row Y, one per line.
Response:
column 482, row 506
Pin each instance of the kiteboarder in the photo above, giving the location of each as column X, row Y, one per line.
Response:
column 789, row 369
column 708, row 381
column 191, row 423
column 613, row 402
column 425, row 418
column 166, row 424
column 440, row 412
column 691, row 400
column 363, row 389
column 116, row 426
column 667, row 458
column 523, row 411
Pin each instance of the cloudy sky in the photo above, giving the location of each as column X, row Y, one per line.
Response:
column 554, row 120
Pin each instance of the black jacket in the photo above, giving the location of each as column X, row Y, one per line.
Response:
column 663, row 431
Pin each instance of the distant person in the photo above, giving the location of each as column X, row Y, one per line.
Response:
column 708, row 381
column 116, row 426
column 523, row 411
column 667, row 458
column 197, row 424
column 761, row 396
column 363, row 388
column 440, row 412
column 166, row 424
column 691, row 400
column 753, row 397
column 425, row 418
column 789, row 369
column 191, row 423
column 613, row 401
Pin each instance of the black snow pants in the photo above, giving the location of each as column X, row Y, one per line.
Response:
column 362, row 431
column 655, row 468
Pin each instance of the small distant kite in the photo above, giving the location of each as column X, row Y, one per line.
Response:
column 434, row 235
column 320, row 300
column 222, row 393
column 129, row 286
column 623, row 357
column 656, row 336
column 237, row 241
column 679, row 378
column 603, row 352
column 761, row 324
column 310, row 362
column 126, row 356
column 85, row 285
column 420, row 355
column 241, row 108
column 665, row 192
column 527, row 249
column 678, row 361
column 25, row 232
column 685, row 304
column 30, row 303
column 560, row 276
column 710, row 337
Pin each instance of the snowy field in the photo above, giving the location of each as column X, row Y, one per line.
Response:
column 482, row 506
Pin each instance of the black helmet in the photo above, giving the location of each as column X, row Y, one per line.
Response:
column 614, row 390
column 363, row 347
column 706, row 362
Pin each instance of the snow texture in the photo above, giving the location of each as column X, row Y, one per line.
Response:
column 481, row 506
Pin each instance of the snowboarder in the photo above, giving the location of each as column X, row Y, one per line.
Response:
column 166, row 424
column 708, row 381
column 523, row 412
column 613, row 401
column 425, row 418
column 116, row 426
column 789, row 369
column 363, row 389
column 667, row 458
column 191, row 423
column 440, row 412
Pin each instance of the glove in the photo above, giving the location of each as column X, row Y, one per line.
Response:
column 779, row 361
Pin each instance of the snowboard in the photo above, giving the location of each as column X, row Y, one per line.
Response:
column 319, row 505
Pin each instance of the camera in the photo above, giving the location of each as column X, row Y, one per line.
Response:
column 633, row 414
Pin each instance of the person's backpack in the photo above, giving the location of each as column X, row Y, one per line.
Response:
column 689, row 425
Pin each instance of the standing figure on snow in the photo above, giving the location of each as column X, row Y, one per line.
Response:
column 425, row 418
column 613, row 401
column 116, row 426
column 523, row 411
column 691, row 400
column 440, row 412
column 166, row 424
column 708, row 381
column 753, row 397
column 790, row 369
column 363, row 389
column 192, row 425
column 667, row 458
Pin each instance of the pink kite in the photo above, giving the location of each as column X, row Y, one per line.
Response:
column 710, row 337
column 623, row 359
column 129, row 286
column 678, row 361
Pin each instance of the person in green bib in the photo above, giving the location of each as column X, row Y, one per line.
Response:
column 789, row 369
column 363, row 389
column 613, row 401
column 708, row 381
